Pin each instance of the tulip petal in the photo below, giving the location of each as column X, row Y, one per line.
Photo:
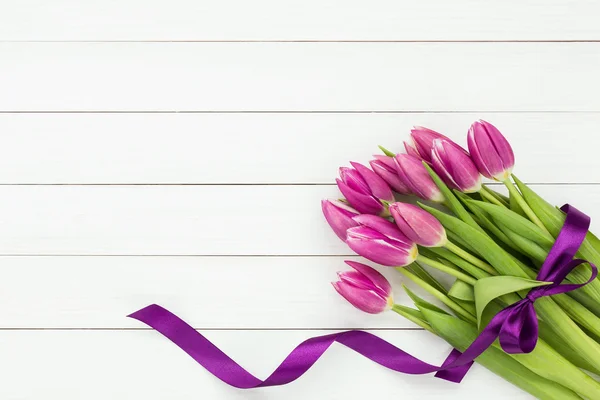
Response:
column 413, row 173
column 484, row 153
column 376, row 247
column 383, row 226
column 456, row 166
column 437, row 162
column 356, row 279
column 381, row 284
column 476, row 156
column 411, row 150
column 361, row 202
column 501, row 145
column 354, row 180
column 423, row 140
column 365, row 300
column 377, row 185
column 339, row 216
column 418, row 225
column 389, row 174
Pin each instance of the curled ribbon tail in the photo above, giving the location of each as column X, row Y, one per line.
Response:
column 516, row 326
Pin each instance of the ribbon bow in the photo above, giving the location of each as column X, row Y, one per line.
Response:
column 516, row 326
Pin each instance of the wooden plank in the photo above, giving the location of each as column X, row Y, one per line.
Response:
column 188, row 220
column 299, row 76
column 209, row 292
column 266, row 148
column 298, row 20
column 141, row 364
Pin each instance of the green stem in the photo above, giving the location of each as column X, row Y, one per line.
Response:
column 449, row 270
column 519, row 198
column 439, row 295
column 485, row 192
column 470, row 258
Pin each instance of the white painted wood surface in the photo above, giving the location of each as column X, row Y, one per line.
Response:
column 272, row 148
column 335, row 20
column 299, row 76
column 137, row 170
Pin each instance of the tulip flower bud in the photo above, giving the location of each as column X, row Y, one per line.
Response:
column 418, row 225
column 423, row 141
column 339, row 216
column 411, row 150
column 490, row 151
column 364, row 189
column 455, row 167
column 380, row 241
column 385, row 167
column 365, row 288
column 413, row 173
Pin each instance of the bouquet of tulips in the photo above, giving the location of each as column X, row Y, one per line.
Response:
column 492, row 244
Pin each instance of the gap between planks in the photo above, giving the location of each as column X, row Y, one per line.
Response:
column 296, row 112
column 264, row 184
column 215, row 329
column 308, row 41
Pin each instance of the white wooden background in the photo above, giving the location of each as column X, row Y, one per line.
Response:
column 176, row 152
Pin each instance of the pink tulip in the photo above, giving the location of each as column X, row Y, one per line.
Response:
column 411, row 150
column 385, row 167
column 380, row 241
column 455, row 167
column 423, row 141
column 365, row 288
column 412, row 172
column 339, row 216
column 418, row 225
column 364, row 189
column 490, row 151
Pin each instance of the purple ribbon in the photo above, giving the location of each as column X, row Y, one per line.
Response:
column 516, row 327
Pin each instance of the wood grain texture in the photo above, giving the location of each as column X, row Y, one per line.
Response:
column 266, row 148
column 299, row 76
column 189, row 220
column 143, row 365
column 299, row 20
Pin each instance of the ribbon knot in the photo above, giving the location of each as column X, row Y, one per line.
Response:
column 531, row 296
column 516, row 327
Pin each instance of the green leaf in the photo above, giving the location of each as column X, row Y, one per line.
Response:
column 422, row 273
column 526, row 246
column 517, row 223
column 485, row 222
column 515, row 206
column 487, row 196
column 462, row 291
column 412, row 315
column 454, row 238
column 450, row 200
column 489, row 289
column 552, row 218
column 410, row 311
column 558, row 344
column 487, row 247
column 420, row 302
column 459, row 262
column 460, row 335
column 386, row 151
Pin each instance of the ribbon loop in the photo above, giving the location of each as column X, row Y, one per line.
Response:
column 516, row 327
